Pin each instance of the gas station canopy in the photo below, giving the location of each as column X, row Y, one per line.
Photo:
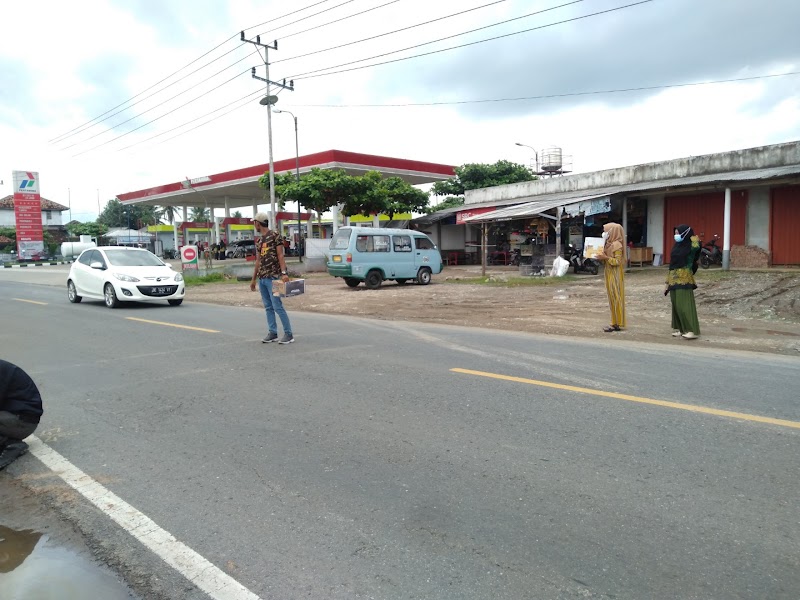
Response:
column 240, row 187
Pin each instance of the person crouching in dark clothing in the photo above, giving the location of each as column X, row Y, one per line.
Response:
column 20, row 411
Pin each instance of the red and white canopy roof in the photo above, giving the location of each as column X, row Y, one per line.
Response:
column 240, row 187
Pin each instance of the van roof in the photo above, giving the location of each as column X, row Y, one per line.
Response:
column 385, row 230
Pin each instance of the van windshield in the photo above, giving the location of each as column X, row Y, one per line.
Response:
column 341, row 240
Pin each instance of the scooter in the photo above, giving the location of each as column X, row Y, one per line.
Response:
column 579, row 263
column 710, row 253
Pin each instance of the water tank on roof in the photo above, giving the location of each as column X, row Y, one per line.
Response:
column 552, row 160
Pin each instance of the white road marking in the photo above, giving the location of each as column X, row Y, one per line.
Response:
column 213, row 581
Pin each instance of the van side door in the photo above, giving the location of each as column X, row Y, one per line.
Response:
column 403, row 262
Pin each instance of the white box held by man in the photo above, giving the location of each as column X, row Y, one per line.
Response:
column 287, row 289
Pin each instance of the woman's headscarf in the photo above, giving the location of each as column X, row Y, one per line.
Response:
column 681, row 251
column 615, row 240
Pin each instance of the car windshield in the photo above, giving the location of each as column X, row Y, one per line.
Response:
column 133, row 258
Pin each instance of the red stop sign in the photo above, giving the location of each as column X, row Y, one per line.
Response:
column 189, row 254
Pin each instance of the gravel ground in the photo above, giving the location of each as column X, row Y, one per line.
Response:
column 747, row 310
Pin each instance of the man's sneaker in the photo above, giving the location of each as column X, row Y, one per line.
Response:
column 11, row 453
column 272, row 337
column 287, row 338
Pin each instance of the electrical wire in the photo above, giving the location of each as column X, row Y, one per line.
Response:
column 91, row 121
column 246, row 97
column 162, row 116
column 550, row 96
column 136, row 116
column 310, row 16
column 283, row 37
column 315, row 73
column 375, row 37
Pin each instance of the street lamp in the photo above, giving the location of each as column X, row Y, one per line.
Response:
column 297, row 172
column 535, row 153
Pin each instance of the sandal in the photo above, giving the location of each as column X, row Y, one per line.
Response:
column 610, row 328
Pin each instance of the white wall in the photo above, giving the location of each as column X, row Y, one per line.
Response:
column 8, row 219
column 655, row 225
column 757, row 227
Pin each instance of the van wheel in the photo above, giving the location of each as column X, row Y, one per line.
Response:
column 424, row 276
column 401, row 281
column 351, row 282
column 373, row 280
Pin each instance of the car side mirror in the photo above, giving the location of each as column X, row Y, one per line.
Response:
column 97, row 265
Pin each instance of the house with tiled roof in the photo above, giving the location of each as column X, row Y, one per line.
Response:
column 51, row 214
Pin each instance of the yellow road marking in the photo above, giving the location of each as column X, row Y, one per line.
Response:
column 31, row 301
column 678, row 405
column 172, row 325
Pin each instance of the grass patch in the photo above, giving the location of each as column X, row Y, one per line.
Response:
column 714, row 275
column 194, row 280
column 518, row 281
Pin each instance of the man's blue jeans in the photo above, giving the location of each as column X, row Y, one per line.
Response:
column 273, row 305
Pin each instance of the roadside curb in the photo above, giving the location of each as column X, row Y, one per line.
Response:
column 38, row 264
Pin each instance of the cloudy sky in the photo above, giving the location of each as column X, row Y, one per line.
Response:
column 88, row 96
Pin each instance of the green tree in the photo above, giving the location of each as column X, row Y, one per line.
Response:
column 115, row 214
column 165, row 212
column 198, row 214
column 283, row 183
column 476, row 175
column 449, row 202
column 237, row 214
column 91, row 228
column 403, row 197
column 322, row 189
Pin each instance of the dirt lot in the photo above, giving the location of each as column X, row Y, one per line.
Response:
column 747, row 310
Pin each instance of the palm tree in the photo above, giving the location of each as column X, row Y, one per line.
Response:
column 166, row 212
column 237, row 214
column 199, row 214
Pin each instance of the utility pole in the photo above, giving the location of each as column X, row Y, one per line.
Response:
column 269, row 101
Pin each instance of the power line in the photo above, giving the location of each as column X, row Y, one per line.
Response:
column 248, row 96
column 550, row 96
column 89, row 122
column 375, row 37
column 162, row 116
column 283, row 37
column 311, row 75
column 189, row 89
column 310, row 16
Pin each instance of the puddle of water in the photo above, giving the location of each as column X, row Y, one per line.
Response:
column 33, row 569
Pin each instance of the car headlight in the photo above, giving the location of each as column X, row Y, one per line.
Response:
column 123, row 277
column 178, row 277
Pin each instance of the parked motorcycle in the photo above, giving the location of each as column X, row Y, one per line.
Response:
column 710, row 253
column 579, row 263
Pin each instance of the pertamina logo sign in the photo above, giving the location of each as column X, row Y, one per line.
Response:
column 26, row 182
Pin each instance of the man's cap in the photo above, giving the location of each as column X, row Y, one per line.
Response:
column 262, row 217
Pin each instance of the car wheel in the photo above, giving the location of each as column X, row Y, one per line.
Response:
column 373, row 280
column 72, row 293
column 401, row 281
column 110, row 296
column 351, row 282
column 176, row 302
column 424, row 276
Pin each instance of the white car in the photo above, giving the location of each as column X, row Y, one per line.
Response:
column 115, row 274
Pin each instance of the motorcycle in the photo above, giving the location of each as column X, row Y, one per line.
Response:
column 710, row 253
column 579, row 263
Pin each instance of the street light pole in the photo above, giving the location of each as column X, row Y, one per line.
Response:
column 297, row 173
column 535, row 153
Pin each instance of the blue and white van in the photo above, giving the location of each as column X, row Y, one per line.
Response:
column 374, row 255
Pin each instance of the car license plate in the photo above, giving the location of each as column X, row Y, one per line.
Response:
column 161, row 291
column 337, row 258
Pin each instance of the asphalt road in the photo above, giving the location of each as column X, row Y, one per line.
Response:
column 356, row 463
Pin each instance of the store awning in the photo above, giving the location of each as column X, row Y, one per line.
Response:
column 531, row 209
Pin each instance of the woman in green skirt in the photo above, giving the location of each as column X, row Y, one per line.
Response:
column 681, row 285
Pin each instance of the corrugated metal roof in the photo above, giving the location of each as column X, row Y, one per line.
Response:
column 529, row 209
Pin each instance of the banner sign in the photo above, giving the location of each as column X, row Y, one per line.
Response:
column 28, row 214
column 465, row 214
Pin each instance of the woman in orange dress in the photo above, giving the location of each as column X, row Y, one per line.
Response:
column 613, row 255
